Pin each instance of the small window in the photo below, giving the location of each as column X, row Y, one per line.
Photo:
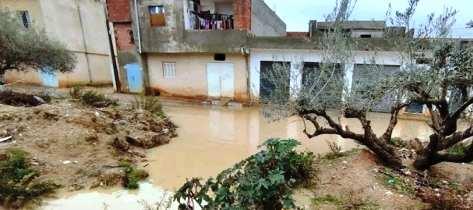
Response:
column 25, row 18
column 132, row 38
column 169, row 70
column 364, row 36
column 219, row 57
column 157, row 16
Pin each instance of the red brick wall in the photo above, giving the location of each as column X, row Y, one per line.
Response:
column 123, row 36
column 242, row 14
column 119, row 10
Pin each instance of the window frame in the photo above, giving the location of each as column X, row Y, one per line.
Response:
column 168, row 72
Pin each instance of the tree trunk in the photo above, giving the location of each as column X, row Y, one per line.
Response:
column 385, row 152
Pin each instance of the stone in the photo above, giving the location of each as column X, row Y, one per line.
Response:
column 454, row 172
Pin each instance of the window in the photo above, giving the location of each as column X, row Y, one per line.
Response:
column 169, row 70
column 157, row 16
column 219, row 57
column 132, row 38
column 365, row 36
column 25, row 18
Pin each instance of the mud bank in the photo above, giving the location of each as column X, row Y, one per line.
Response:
column 75, row 145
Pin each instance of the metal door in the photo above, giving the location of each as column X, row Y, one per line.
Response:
column 221, row 79
column 134, row 77
column 49, row 78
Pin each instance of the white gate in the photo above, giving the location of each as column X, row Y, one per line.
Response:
column 221, row 79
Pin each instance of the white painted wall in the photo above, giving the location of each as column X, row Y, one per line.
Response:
column 298, row 57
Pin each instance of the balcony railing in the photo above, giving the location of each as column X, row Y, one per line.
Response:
column 208, row 21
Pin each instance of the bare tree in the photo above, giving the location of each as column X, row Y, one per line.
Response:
column 443, row 84
column 23, row 48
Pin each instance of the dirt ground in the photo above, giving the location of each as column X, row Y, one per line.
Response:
column 78, row 146
column 358, row 181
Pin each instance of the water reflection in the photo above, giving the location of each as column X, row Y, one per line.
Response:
column 213, row 139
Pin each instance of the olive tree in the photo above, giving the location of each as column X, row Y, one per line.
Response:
column 30, row 48
column 442, row 84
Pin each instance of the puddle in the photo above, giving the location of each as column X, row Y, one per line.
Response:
column 148, row 197
column 211, row 140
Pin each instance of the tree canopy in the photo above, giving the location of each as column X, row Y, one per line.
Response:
column 30, row 48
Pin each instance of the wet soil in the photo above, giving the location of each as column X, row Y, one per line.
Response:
column 75, row 145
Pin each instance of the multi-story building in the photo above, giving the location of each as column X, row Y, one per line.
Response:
column 196, row 48
column 81, row 26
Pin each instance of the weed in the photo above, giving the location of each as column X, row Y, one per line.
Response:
column 75, row 92
column 397, row 182
column 262, row 181
column 398, row 142
column 18, row 183
column 458, row 149
column 335, row 151
column 133, row 175
column 149, row 103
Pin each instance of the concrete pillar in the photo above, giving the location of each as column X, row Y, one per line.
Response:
column 348, row 79
column 296, row 78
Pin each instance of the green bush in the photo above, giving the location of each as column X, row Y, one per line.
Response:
column 263, row 181
column 18, row 183
column 132, row 175
column 91, row 98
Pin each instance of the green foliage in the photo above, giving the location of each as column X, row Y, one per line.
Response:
column 262, row 181
column 29, row 47
column 398, row 142
column 91, row 98
column 18, row 183
column 397, row 182
column 149, row 103
column 133, row 175
column 457, row 149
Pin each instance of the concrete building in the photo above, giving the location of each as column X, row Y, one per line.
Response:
column 81, row 26
column 195, row 48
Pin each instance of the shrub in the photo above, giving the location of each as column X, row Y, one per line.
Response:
column 132, row 175
column 18, row 183
column 149, row 103
column 91, row 98
column 263, row 181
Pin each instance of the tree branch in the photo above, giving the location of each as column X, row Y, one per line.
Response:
column 393, row 121
column 335, row 128
column 455, row 138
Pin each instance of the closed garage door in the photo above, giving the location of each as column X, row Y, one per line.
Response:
column 275, row 79
column 365, row 74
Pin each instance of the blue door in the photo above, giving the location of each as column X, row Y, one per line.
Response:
column 134, row 78
column 49, row 78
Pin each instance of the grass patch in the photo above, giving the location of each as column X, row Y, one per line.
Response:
column 18, row 183
column 457, row 149
column 397, row 182
column 91, row 98
column 351, row 201
column 133, row 175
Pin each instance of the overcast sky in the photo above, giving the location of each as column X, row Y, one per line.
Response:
column 297, row 13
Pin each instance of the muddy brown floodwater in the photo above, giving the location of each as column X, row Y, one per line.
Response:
column 210, row 140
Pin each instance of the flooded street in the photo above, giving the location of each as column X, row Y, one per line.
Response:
column 210, row 140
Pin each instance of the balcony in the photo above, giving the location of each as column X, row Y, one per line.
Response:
column 205, row 15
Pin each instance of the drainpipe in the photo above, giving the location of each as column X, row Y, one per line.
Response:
column 138, row 26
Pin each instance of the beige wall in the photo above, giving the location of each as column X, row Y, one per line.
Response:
column 191, row 74
column 84, row 34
